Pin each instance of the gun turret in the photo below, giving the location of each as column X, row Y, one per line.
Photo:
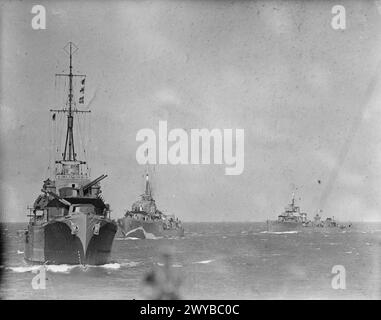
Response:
column 95, row 181
column 54, row 195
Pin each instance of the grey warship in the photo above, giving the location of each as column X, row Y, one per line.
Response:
column 292, row 219
column 69, row 222
column 145, row 221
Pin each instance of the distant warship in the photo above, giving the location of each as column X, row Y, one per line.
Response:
column 69, row 222
column 146, row 221
column 293, row 219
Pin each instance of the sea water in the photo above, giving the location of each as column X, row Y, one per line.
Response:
column 213, row 261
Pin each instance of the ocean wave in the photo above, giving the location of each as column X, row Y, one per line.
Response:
column 175, row 265
column 130, row 264
column 128, row 238
column 280, row 232
column 62, row 268
column 113, row 266
column 66, row 268
column 204, row 261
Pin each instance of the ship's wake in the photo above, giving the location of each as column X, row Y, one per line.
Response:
column 280, row 232
column 66, row 268
column 61, row 268
column 204, row 261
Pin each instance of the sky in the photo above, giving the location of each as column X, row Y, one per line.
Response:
column 307, row 96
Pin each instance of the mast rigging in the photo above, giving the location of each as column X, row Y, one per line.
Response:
column 69, row 149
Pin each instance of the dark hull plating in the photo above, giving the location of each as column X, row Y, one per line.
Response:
column 55, row 242
column 146, row 229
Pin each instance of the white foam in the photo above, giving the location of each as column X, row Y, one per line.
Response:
column 128, row 238
column 147, row 235
column 280, row 232
column 204, row 261
column 24, row 269
column 61, row 268
column 113, row 266
column 20, row 252
column 65, row 268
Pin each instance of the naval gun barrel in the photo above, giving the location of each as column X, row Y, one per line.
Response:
column 95, row 181
column 54, row 195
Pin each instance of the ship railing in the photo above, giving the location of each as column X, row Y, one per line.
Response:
column 71, row 176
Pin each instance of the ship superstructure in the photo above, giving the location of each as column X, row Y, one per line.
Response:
column 292, row 213
column 293, row 219
column 144, row 220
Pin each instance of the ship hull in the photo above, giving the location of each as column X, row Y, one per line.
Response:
column 79, row 239
column 277, row 226
column 131, row 228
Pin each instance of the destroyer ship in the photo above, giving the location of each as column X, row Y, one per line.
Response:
column 69, row 221
column 292, row 219
column 145, row 221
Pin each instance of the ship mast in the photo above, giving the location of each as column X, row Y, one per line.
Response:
column 148, row 187
column 69, row 151
column 148, row 191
